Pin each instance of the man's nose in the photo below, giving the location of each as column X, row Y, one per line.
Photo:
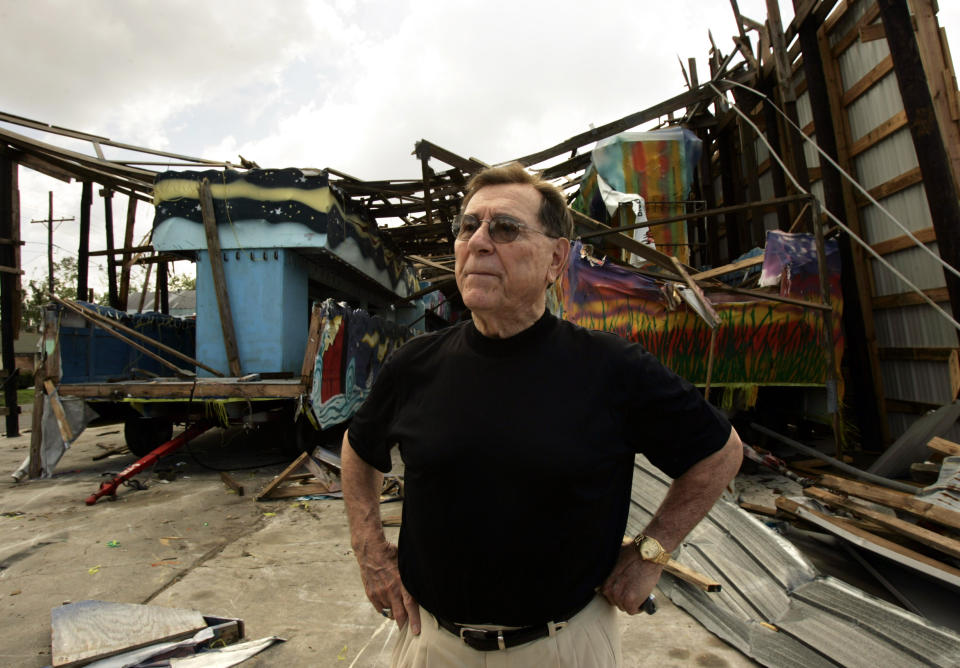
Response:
column 480, row 241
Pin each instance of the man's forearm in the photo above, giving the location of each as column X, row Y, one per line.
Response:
column 691, row 496
column 361, row 495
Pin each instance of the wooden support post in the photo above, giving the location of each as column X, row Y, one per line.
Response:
column 858, row 325
column 219, row 279
column 833, row 398
column 9, row 295
column 143, row 291
column 793, row 152
column 772, row 126
column 127, row 243
column 50, row 288
column 162, row 300
column 313, row 346
column 940, row 77
column 65, row 431
column 941, row 189
column 114, row 298
column 35, row 465
column 426, row 172
column 756, row 232
column 729, row 171
column 708, row 194
column 83, row 253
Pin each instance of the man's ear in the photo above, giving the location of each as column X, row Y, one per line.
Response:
column 561, row 252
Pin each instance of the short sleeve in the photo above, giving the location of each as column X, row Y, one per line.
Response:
column 370, row 428
column 669, row 420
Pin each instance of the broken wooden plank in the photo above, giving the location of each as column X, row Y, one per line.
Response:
column 98, row 318
column 728, row 268
column 219, row 278
column 868, row 541
column 304, row 489
column 894, row 499
column 943, row 446
column 65, row 431
column 759, row 509
column 313, row 346
column 109, row 328
column 35, row 466
column 279, row 480
column 912, row 531
column 88, row 630
column 691, row 576
column 231, row 483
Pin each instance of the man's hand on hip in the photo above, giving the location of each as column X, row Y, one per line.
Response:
column 631, row 580
column 381, row 581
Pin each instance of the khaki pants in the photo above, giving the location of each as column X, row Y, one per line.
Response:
column 590, row 639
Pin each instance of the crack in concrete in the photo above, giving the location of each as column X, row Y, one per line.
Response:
column 204, row 558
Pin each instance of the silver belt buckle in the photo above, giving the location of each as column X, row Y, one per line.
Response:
column 500, row 642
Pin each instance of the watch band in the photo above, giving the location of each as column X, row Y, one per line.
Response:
column 661, row 558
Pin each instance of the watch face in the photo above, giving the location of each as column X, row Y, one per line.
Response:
column 649, row 549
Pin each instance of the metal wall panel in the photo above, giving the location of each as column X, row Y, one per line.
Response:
column 921, row 269
column 879, row 103
column 928, row 382
column 887, row 160
column 909, row 206
column 914, row 327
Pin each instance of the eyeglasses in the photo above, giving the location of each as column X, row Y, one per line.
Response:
column 502, row 228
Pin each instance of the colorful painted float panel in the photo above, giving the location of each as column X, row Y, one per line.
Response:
column 758, row 341
column 353, row 348
column 659, row 166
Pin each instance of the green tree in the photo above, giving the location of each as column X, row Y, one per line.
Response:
column 37, row 293
column 181, row 282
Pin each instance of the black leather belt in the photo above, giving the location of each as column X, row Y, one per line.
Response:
column 486, row 640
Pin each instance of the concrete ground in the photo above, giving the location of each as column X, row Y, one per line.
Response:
column 285, row 567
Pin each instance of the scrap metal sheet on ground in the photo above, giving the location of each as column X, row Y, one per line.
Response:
column 774, row 606
column 758, row 341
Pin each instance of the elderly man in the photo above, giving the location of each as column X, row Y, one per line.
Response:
column 518, row 433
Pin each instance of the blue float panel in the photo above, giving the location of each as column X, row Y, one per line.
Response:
column 268, row 299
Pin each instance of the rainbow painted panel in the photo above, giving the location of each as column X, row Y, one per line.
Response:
column 759, row 342
column 657, row 165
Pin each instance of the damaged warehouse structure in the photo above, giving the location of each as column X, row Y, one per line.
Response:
column 784, row 234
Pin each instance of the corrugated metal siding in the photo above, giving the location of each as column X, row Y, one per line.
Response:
column 884, row 161
column 928, row 382
column 924, row 328
column 913, row 263
column 909, row 326
column 909, row 206
column 820, row 621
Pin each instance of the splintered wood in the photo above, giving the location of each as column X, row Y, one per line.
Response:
column 915, row 532
column 291, row 484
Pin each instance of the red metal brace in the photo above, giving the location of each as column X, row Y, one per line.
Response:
column 145, row 462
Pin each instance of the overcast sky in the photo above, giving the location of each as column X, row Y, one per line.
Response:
column 349, row 84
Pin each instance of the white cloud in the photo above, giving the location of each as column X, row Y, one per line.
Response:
column 350, row 84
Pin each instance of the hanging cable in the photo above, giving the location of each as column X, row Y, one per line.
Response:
column 849, row 178
column 839, row 222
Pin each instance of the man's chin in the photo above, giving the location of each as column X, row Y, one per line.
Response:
column 478, row 301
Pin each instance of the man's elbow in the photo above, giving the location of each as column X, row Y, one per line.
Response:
column 731, row 455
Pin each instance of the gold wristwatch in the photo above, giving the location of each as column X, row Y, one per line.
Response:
column 650, row 549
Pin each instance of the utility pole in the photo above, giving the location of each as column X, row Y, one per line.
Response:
column 50, row 221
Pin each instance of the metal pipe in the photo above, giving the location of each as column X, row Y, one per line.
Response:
column 813, row 452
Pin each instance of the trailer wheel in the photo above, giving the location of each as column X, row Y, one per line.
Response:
column 145, row 434
column 298, row 437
